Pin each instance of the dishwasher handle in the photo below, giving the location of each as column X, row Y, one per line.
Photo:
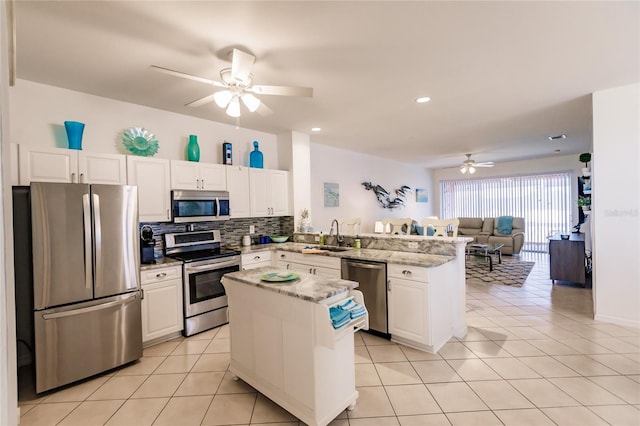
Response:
column 365, row 265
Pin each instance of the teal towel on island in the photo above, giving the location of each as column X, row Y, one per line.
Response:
column 349, row 304
column 356, row 316
column 338, row 324
column 505, row 225
column 338, row 315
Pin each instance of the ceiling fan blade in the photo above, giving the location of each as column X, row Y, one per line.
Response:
column 264, row 110
column 485, row 164
column 305, row 92
column 201, row 101
column 241, row 63
column 187, row 76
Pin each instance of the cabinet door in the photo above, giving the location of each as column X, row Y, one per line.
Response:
column 279, row 192
column 161, row 309
column 213, row 177
column 326, row 272
column 408, row 310
column 184, row 175
column 47, row 165
column 153, row 181
column 108, row 169
column 238, row 187
column 258, row 190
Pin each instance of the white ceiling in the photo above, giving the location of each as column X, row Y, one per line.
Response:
column 502, row 75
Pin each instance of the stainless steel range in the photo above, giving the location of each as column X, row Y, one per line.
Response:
column 205, row 262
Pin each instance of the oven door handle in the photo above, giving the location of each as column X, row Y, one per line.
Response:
column 210, row 267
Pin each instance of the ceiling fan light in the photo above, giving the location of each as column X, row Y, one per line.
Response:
column 222, row 98
column 251, row 102
column 472, row 170
column 463, row 169
column 234, row 107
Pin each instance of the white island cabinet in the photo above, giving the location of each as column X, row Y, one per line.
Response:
column 283, row 342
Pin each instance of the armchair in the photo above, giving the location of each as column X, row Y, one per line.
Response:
column 512, row 242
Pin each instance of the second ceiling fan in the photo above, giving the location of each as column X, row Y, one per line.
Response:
column 236, row 86
column 470, row 165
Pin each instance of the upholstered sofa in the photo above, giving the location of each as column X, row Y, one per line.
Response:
column 485, row 231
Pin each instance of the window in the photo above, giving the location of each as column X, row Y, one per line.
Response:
column 543, row 200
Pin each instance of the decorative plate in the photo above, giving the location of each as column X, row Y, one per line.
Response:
column 279, row 276
column 140, row 141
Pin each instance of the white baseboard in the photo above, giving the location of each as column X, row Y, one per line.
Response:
column 618, row 321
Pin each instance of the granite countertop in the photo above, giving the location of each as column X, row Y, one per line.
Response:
column 376, row 255
column 312, row 288
column 162, row 262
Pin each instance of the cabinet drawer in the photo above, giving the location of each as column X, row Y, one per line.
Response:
column 161, row 274
column 256, row 257
column 309, row 259
column 408, row 272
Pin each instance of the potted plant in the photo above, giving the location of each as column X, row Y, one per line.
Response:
column 585, row 158
column 305, row 222
column 584, row 202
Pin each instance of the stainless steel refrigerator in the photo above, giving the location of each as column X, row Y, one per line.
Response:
column 86, row 286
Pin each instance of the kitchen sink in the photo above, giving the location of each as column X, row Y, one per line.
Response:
column 332, row 248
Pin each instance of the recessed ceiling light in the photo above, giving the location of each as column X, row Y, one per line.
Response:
column 556, row 151
column 423, row 100
column 316, row 129
column 555, row 138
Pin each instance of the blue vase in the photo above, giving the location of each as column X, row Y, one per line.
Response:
column 74, row 133
column 255, row 158
column 193, row 150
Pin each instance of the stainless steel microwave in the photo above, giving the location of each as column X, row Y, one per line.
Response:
column 199, row 206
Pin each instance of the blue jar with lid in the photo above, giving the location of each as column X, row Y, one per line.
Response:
column 255, row 158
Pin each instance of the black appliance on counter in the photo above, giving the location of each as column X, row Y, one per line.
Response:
column 205, row 261
column 147, row 244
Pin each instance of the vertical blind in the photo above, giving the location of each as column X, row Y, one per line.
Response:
column 544, row 201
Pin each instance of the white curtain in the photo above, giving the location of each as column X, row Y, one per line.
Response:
column 543, row 200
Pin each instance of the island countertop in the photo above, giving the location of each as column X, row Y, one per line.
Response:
column 313, row 288
column 379, row 255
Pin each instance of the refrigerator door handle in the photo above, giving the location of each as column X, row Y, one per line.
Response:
column 97, row 232
column 89, row 309
column 86, row 212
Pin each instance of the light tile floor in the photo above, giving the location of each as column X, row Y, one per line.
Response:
column 533, row 356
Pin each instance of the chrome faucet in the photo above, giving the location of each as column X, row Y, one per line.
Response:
column 339, row 238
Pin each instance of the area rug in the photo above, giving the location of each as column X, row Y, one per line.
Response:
column 511, row 272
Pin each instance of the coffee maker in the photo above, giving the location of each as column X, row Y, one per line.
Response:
column 147, row 243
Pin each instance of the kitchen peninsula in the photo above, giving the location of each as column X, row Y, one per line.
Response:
column 426, row 279
column 283, row 341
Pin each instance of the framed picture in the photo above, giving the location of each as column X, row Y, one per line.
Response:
column 331, row 195
column 421, row 196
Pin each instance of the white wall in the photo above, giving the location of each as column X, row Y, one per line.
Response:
column 38, row 113
column 349, row 169
column 8, row 366
column 558, row 163
column 615, row 204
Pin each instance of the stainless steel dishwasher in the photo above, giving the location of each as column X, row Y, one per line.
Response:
column 372, row 279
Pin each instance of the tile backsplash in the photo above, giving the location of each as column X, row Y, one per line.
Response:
column 231, row 231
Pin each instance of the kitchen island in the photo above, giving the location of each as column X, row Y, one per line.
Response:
column 283, row 342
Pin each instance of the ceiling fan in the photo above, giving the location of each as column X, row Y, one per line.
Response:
column 470, row 166
column 236, row 86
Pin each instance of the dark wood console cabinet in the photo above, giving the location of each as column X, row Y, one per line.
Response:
column 567, row 259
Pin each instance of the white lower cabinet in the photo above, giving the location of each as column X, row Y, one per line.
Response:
column 256, row 259
column 309, row 263
column 414, row 318
column 162, row 314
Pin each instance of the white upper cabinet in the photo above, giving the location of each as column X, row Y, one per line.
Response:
column 152, row 176
column 108, row 169
column 238, row 187
column 70, row 166
column 269, row 192
column 279, row 193
column 198, row 176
